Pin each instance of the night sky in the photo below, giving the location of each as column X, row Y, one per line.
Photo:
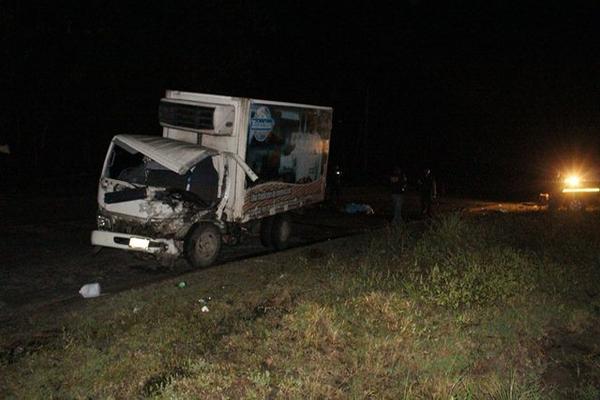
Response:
column 487, row 94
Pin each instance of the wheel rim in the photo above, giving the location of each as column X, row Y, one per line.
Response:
column 206, row 245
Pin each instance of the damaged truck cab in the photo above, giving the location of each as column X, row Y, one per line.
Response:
column 223, row 167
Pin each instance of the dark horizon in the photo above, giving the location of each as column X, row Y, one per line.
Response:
column 483, row 93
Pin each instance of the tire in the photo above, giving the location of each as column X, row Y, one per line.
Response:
column 203, row 245
column 281, row 231
column 266, row 225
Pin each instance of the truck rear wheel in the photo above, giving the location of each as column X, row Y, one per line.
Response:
column 203, row 245
column 281, row 231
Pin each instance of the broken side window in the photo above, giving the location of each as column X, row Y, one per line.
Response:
column 126, row 166
column 203, row 180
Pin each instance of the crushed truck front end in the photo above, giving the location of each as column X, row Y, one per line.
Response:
column 152, row 191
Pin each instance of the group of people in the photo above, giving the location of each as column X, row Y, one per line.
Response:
column 398, row 181
column 427, row 192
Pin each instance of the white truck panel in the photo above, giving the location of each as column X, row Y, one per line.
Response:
column 307, row 160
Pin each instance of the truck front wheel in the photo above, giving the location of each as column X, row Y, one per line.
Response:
column 203, row 245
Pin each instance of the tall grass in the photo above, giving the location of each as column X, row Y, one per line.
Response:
column 465, row 262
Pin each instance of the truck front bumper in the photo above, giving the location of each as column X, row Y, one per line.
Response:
column 126, row 241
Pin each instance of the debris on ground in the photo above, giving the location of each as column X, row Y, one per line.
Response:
column 357, row 208
column 181, row 284
column 205, row 309
column 281, row 301
column 90, row 290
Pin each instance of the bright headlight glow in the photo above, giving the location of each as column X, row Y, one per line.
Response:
column 573, row 180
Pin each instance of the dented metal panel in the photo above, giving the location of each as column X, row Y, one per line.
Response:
column 175, row 155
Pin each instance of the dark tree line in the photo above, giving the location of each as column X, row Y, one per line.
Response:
column 464, row 88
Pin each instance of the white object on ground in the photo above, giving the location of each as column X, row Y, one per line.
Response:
column 205, row 309
column 90, row 290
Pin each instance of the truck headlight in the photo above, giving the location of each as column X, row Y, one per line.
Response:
column 103, row 222
column 573, row 180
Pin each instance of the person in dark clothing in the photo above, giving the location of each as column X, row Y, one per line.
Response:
column 427, row 191
column 398, row 183
column 336, row 185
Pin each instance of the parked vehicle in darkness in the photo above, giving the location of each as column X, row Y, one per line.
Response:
column 573, row 190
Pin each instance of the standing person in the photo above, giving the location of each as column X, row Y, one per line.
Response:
column 427, row 191
column 334, row 186
column 398, row 185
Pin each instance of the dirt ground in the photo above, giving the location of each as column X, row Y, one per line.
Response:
column 45, row 255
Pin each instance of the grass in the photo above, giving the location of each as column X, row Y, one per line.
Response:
column 498, row 307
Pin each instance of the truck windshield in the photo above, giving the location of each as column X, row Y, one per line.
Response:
column 201, row 179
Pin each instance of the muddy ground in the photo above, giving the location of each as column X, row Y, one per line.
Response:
column 45, row 255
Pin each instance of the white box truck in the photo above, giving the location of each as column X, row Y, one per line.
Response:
column 224, row 167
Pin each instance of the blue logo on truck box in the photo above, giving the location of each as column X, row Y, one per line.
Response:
column 261, row 123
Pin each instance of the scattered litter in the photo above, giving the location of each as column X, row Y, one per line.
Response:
column 281, row 276
column 201, row 301
column 90, row 290
column 136, row 309
column 356, row 208
column 181, row 285
column 205, row 309
column 267, row 363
